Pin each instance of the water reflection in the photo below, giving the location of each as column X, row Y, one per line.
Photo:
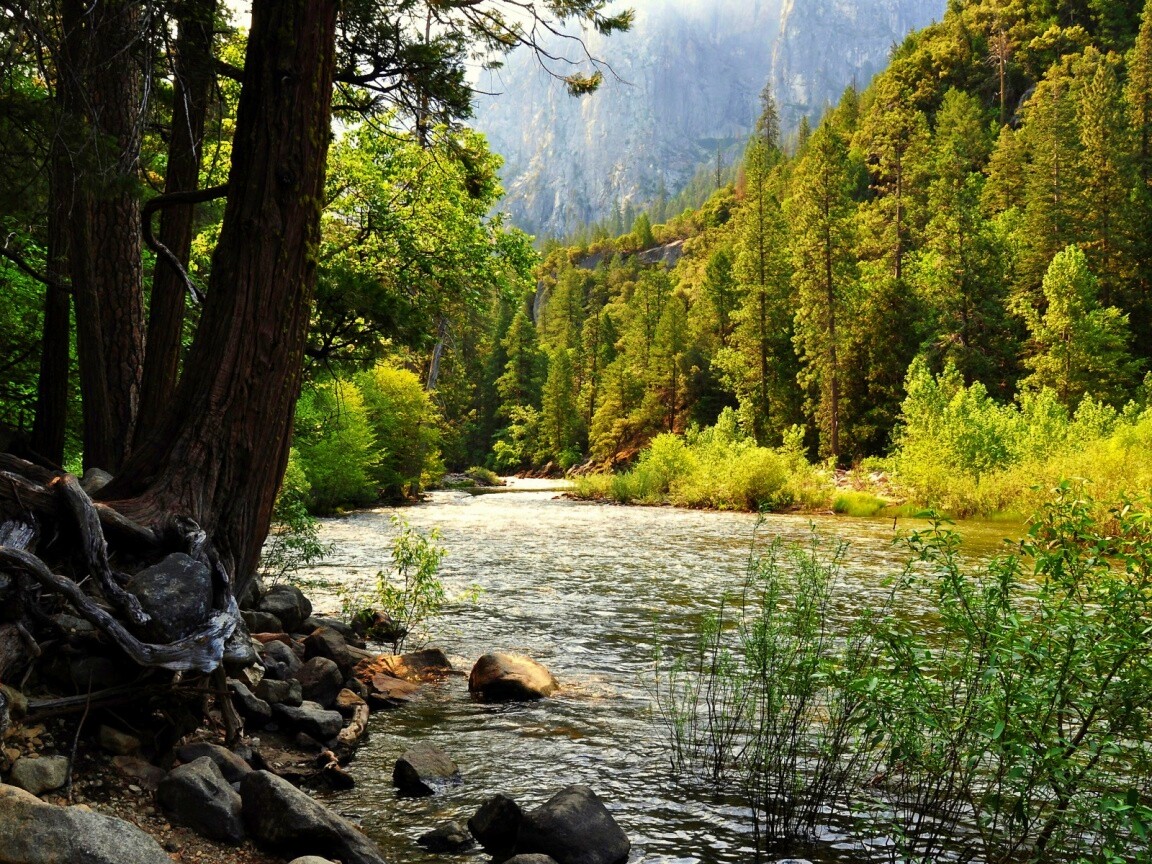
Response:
column 590, row 590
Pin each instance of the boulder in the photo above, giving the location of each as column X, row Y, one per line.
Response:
column 176, row 593
column 94, row 480
column 262, row 622
column 275, row 692
column 230, row 764
column 420, row 665
column 449, row 837
column 502, row 677
column 424, row 770
column 39, row 775
column 288, row 603
column 320, row 680
column 317, row 621
column 388, row 692
column 283, row 819
column 256, row 711
column 197, row 795
column 496, row 824
column 139, row 771
column 331, row 644
column 280, row 661
column 37, row 833
column 311, row 719
column 573, row 827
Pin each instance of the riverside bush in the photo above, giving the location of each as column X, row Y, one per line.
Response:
column 992, row 713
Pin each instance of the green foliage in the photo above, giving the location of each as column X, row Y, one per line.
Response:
column 410, row 593
column 991, row 713
column 405, row 429
column 336, row 446
column 293, row 542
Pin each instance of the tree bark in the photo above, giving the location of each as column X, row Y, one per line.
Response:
column 221, row 449
column 193, row 84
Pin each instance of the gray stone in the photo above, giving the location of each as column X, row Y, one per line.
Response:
column 197, row 795
column 424, row 770
column 116, row 742
column 283, row 819
column 496, row 825
column 449, row 837
column 345, row 630
column 321, row 681
column 280, row 692
column 262, row 622
column 176, row 593
column 574, row 827
column 332, row 644
column 311, row 719
column 39, row 775
column 288, row 603
column 254, row 710
column 94, row 480
column 232, row 766
column 280, row 661
column 530, row 858
column 37, row 833
column 504, row 677
column 309, row 859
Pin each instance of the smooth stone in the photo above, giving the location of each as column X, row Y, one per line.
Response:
column 231, row 765
column 280, row 692
column 176, row 594
column 288, row 603
column 311, row 719
column 320, row 681
column 317, row 621
column 496, row 824
column 282, row 818
column 449, row 837
column 198, row 795
column 256, row 711
column 333, row 645
column 39, row 775
column 424, row 770
column 140, row 770
column 280, row 661
column 262, row 622
column 574, row 827
column 505, row 677
column 37, row 833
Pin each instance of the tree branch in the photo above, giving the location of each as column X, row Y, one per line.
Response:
column 198, row 196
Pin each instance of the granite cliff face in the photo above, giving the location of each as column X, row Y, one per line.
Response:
column 687, row 82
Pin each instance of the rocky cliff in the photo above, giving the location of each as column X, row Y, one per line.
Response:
column 685, row 83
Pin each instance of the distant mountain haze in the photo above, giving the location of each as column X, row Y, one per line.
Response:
column 684, row 83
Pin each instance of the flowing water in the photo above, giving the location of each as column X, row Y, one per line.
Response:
column 590, row 590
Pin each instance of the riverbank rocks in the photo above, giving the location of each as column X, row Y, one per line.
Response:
column 504, row 677
column 449, row 837
column 255, row 711
column 176, row 594
column 331, row 644
column 425, row 770
column 230, row 764
column 288, row 604
column 33, row 832
column 39, row 775
column 275, row 692
column 198, row 795
column 573, row 827
column 530, row 859
column 280, row 661
column 311, row 719
column 320, row 680
column 423, row 665
column 496, row 824
column 283, row 819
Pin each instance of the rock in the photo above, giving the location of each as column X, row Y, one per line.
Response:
column 280, row 661
column 321, row 681
column 309, row 859
column 417, row 665
column 573, row 827
column 496, row 825
column 177, row 594
column 230, row 764
column 530, row 858
column 39, row 775
column 94, row 480
column 501, row 677
column 449, row 837
column 331, row 644
column 239, row 653
column 348, row 703
column 317, row 621
column 288, row 603
column 262, row 622
column 311, row 719
column 280, row 692
column 143, row 772
column 424, row 770
column 116, row 742
column 283, row 819
column 256, row 711
column 73, row 626
column 388, row 692
column 197, row 795
column 37, row 833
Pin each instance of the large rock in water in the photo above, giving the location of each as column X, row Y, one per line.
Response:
column 32, row 832
column 282, row 818
column 176, row 593
column 424, row 770
column 503, row 677
column 496, row 825
column 573, row 827
column 197, row 795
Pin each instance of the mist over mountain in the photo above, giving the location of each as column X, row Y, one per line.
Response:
column 685, row 83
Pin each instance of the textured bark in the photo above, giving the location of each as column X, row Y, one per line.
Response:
column 193, row 83
column 222, row 447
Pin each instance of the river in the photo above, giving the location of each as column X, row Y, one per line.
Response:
column 590, row 590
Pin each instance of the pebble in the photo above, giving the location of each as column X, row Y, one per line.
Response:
column 132, row 787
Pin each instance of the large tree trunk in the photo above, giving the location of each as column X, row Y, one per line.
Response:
column 220, row 452
column 193, row 85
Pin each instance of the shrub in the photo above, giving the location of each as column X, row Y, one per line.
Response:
column 406, row 427
column 294, row 538
column 336, row 447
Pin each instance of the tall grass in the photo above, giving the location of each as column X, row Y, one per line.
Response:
column 996, row 713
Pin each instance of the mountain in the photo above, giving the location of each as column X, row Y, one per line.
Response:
column 684, row 84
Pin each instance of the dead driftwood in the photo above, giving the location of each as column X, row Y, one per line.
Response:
column 63, row 553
